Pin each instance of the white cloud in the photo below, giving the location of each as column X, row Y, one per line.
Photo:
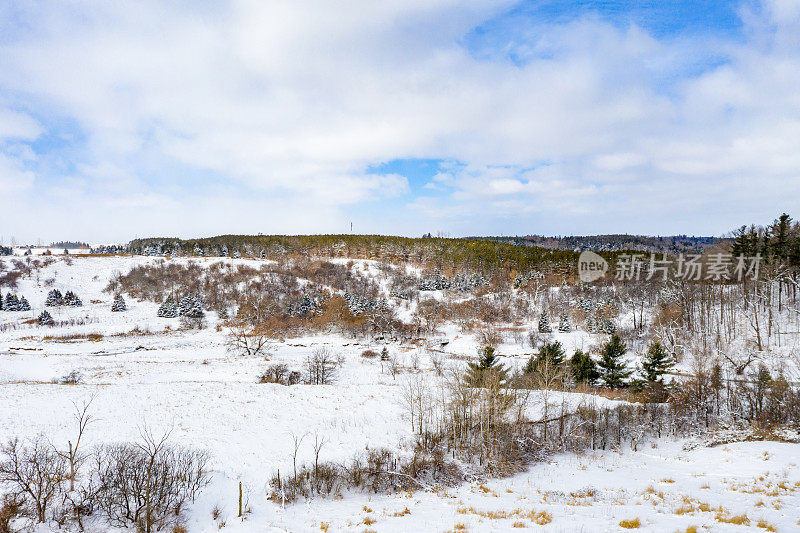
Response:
column 14, row 178
column 295, row 100
column 15, row 125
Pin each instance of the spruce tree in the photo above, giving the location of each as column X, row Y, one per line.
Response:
column 45, row 319
column 488, row 365
column 12, row 304
column 71, row 299
column 613, row 370
column 168, row 309
column 583, row 367
column 1, row 301
column 544, row 324
column 119, row 304
column 551, row 352
column 195, row 310
column 23, row 305
column 656, row 363
column 563, row 324
column 54, row 298
column 190, row 303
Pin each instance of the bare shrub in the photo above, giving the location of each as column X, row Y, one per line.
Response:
column 72, row 378
column 34, row 474
column 280, row 373
column 146, row 485
column 321, row 367
column 10, row 509
column 246, row 339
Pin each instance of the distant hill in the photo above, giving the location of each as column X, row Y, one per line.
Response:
column 444, row 254
column 671, row 244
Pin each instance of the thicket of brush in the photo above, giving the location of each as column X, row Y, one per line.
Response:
column 144, row 485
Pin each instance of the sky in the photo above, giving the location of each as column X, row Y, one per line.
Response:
column 474, row 117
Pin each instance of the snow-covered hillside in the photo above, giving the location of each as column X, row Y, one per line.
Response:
column 143, row 373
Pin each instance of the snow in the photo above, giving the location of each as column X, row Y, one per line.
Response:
column 142, row 372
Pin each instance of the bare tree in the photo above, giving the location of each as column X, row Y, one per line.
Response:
column 321, row 367
column 74, row 456
column 35, row 473
column 247, row 339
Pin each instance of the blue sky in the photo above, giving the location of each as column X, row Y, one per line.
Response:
column 464, row 117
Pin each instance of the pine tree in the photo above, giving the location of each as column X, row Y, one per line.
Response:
column 189, row 303
column 45, row 319
column 583, row 367
column 54, row 299
column 72, row 300
column 23, row 305
column 563, row 324
column 195, row 309
column 12, row 304
column 1, row 301
column 657, row 362
column 384, row 354
column 551, row 352
column 119, row 304
column 487, row 367
column 168, row 309
column 613, row 370
column 544, row 324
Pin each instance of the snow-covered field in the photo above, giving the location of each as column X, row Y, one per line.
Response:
column 145, row 372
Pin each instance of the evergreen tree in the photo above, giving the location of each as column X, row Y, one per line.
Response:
column 71, row 299
column 563, row 324
column 657, row 362
column 189, row 303
column 168, row 309
column 1, row 301
column 487, row 367
column 544, row 324
column 779, row 236
column 583, row 367
column 54, row 298
column 191, row 307
column 12, row 304
column 23, row 305
column 612, row 368
column 45, row 319
column 384, row 354
column 552, row 352
column 119, row 304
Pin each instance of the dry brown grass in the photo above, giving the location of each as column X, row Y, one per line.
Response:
column 91, row 337
column 763, row 524
column 631, row 524
column 739, row 520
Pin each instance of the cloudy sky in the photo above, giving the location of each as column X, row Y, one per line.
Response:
column 188, row 118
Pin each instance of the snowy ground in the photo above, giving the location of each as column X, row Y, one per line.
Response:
column 142, row 372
